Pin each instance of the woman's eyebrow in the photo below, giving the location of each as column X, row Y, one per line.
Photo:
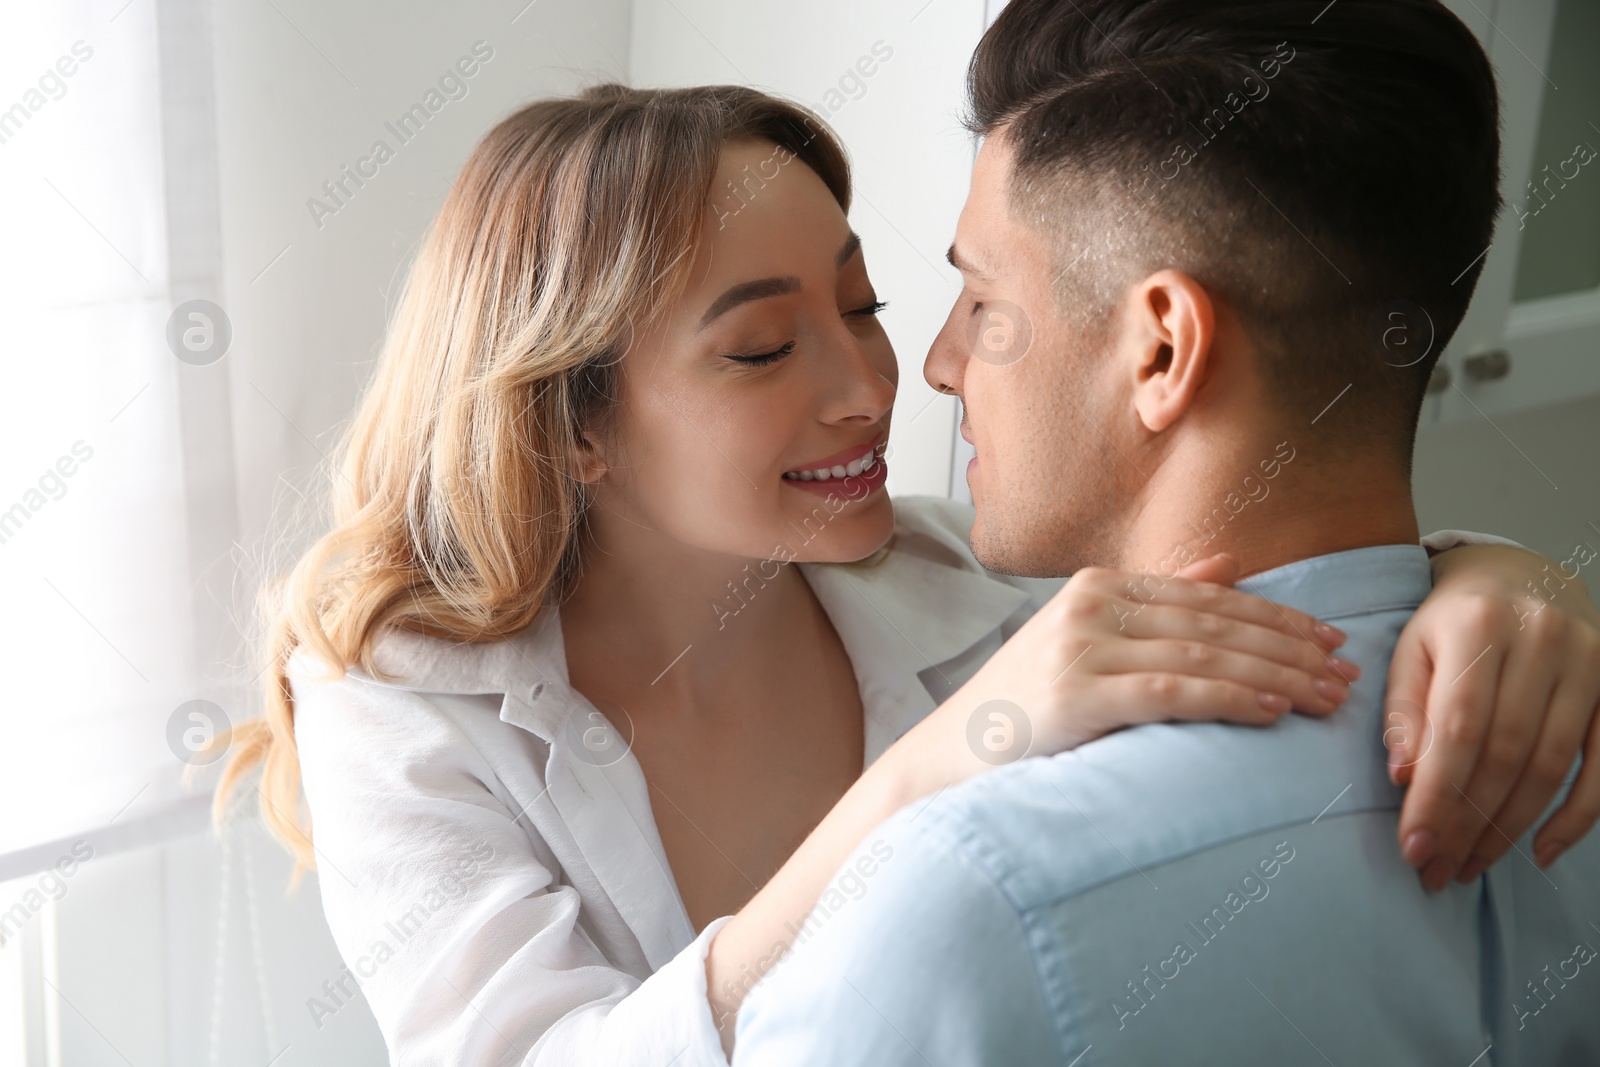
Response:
column 744, row 292
column 762, row 288
column 852, row 245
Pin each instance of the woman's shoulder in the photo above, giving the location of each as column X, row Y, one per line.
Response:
column 402, row 659
column 422, row 695
column 939, row 516
column 934, row 526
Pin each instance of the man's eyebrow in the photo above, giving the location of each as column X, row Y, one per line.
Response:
column 959, row 262
column 744, row 292
column 762, row 288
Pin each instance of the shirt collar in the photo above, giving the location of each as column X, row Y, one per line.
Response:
column 1361, row 581
column 517, row 663
column 901, row 615
column 914, row 605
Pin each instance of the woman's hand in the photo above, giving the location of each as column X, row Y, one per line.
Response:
column 1116, row 648
column 1492, row 695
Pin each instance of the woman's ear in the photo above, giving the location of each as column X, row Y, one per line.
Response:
column 1174, row 326
column 588, row 463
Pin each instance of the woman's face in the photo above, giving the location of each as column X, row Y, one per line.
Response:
column 754, row 415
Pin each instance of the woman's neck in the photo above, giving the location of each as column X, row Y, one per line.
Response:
column 650, row 614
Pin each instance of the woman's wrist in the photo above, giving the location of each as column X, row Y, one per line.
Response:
column 934, row 754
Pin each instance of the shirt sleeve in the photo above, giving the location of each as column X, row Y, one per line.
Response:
column 445, row 909
column 1444, row 540
column 913, row 957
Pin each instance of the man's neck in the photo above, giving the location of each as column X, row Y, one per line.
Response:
column 1268, row 505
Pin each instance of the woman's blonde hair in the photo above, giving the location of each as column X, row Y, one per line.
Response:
column 456, row 512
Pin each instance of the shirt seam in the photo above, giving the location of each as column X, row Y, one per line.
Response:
column 964, row 840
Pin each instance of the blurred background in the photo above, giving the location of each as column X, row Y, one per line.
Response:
column 208, row 209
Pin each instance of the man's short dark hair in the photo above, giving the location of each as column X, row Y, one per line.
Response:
column 1315, row 165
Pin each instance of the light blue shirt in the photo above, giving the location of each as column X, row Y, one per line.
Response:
column 1192, row 894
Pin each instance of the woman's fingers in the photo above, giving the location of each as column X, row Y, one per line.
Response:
column 1167, row 697
column 1522, row 708
column 1406, row 733
column 1553, row 754
column 1578, row 813
column 1140, row 591
column 1221, row 569
column 1162, row 621
column 1181, row 649
column 1459, row 706
column 1309, row 692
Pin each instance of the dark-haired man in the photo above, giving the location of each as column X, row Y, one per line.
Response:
column 1202, row 207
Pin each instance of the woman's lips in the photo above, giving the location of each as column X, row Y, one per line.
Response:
column 844, row 464
column 843, row 459
column 853, row 486
column 852, row 470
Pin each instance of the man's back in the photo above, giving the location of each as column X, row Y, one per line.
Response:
column 1195, row 894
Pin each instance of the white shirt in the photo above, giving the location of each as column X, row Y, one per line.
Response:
column 494, row 878
column 489, row 864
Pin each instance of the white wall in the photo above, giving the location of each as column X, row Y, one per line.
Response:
column 306, row 92
column 1533, row 476
column 910, row 155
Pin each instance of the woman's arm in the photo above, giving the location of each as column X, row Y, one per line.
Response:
column 1505, row 658
column 1093, row 659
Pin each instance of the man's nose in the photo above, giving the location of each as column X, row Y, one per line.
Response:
column 946, row 362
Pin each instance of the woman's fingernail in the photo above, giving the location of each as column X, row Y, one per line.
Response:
column 1274, row 702
column 1471, row 870
column 1344, row 669
column 1436, row 875
column 1419, row 847
column 1332, row 690
column 1544, row 855
column 1331, row 636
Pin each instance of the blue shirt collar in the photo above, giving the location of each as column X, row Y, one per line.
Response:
column 1361, row 581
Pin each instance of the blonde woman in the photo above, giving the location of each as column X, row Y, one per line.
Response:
column 581, row 748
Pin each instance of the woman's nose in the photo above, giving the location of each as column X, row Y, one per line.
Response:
column 866, row 380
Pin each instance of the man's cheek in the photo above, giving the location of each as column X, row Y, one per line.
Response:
column 997, row 405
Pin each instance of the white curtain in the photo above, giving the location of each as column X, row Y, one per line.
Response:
column 101, row 627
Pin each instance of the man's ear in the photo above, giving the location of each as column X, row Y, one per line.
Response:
column 1172, row 330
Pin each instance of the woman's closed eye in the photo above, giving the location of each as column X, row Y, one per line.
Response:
column 762, row 359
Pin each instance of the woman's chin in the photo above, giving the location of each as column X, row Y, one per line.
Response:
column 855, row 533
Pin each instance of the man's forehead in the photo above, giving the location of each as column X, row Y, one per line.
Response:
column 972, row 251
column 990, row 239
column 991, row 173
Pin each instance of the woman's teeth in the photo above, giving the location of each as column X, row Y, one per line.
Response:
column 846, row 470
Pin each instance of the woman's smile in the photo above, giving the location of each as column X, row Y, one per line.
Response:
column 855, row 471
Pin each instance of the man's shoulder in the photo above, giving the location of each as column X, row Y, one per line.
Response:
column 1046, row 829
